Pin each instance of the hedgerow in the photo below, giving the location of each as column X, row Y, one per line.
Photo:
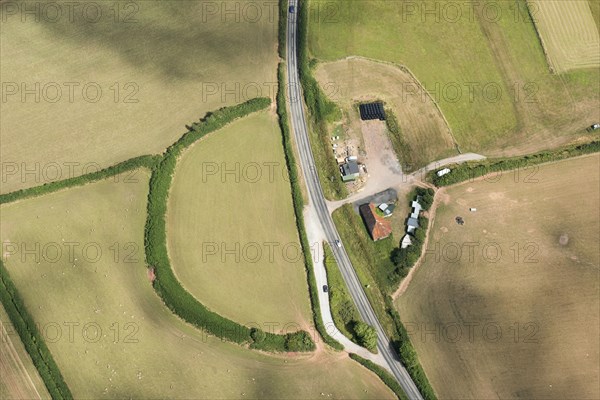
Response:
column 408, row 355
column 177, row 299
column 31, row 338
column 298, row 202
column 385, row 376
column 282, row 28
column 474, row 169
column 148, row 161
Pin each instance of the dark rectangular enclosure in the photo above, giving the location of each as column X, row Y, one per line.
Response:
column 372, row 111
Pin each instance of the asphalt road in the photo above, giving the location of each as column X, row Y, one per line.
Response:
column 317, row 199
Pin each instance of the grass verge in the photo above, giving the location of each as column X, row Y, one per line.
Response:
column 298, row 205
column 321, row 111
column 343, row 309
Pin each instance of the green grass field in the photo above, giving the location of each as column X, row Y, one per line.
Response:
column 246, row 212
column 158, row 64
column 519, row 315
column 456, row 52
column 143, row 351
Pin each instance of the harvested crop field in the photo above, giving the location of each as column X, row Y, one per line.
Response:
column 18, row 377
column 124, row 341
column 568, row 32
column 124, row 85
column 507, row 305
column 422, row 125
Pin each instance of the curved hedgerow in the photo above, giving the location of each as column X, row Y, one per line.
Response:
column 177, row 299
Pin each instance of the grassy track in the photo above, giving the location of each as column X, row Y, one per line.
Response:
column 523, row 108
column 175, row 62
column 246, row 211
column 147, row 351
column 527, row 297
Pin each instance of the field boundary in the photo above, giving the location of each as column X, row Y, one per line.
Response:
column 474, row 169
column 173, row 294
column 31, row 338
column 147, row 161
column 298, row 203
column 385, row 376
column 540, row 39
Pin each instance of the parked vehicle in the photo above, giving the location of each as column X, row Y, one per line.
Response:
column 325, row 288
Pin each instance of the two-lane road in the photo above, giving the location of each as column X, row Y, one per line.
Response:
column 299, row 126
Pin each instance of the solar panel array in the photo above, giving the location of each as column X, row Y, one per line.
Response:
column 372, row 111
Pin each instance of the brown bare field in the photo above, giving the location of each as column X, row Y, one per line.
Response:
column 507, row 305
column 356, row 79
column 82, row 95
column 18, row 377
column 568, row 32
column 109, row 332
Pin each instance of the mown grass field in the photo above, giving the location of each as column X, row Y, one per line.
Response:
column 230, row 226
column 519, row 315
column 143, row 351
column 159, row 65
column 487, row 70
column 423, row 129
column 19, row 378
column 568, row 32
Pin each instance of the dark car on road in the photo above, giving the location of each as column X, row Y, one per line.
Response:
column 325, row 288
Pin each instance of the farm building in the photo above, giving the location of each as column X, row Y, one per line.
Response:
column 372, row 111
column 349, row 170
column 386, row 209
column 406, row 241
column 378, row 227
column 416, row 209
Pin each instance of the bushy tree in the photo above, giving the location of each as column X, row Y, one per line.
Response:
column 258, row 335
column 366, row 335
